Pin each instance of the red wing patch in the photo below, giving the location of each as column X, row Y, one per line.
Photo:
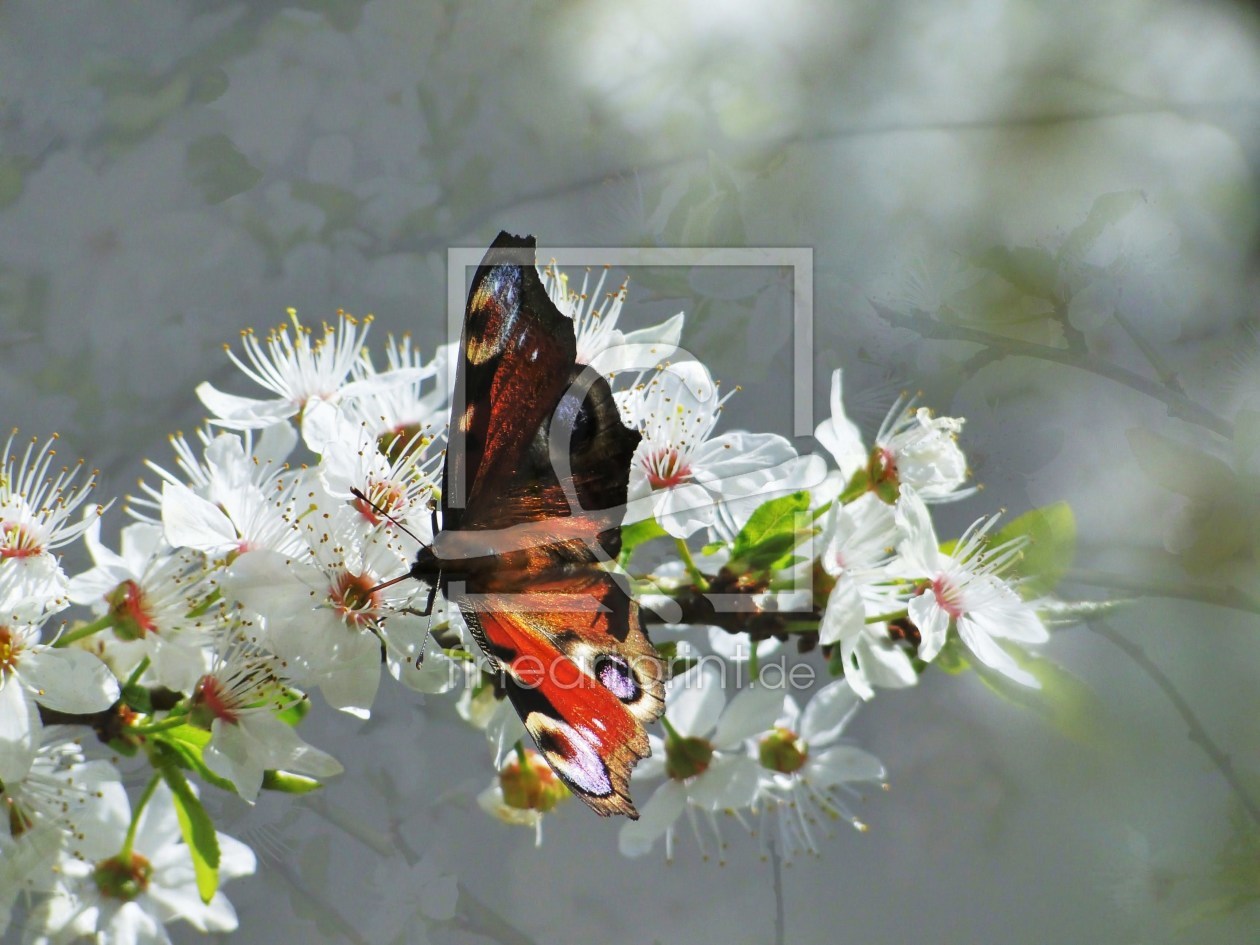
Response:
column 583, row 676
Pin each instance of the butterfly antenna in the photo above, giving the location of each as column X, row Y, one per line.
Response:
column 390, row 583
column 358, row 494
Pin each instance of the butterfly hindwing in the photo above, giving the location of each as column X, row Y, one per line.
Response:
column 582, row 675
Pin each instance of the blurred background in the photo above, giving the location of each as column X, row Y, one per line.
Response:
column 1041, row 215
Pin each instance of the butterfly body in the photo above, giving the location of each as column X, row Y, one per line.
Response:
column 533, row 493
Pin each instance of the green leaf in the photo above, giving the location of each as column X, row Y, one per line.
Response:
column 187, row 743
column 640, row 533
column 286, row 782
column 1051, row 533
column 215, row 166
column 772, row 532
column 1063, row 700
column 198, row 831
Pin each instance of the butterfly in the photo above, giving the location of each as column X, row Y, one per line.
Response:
column 533, row 494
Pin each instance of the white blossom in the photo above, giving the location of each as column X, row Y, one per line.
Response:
column 964, row 590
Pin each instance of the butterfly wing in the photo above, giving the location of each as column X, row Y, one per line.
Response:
column 582, row 674
column 536, row 473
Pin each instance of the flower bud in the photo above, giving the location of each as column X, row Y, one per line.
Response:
column 532, row 785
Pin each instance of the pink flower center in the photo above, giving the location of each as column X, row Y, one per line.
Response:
column 212, row 700
column 17, row 541
column 666, row 468
column 387, row 497
column 130, row 610
column 353, row 599
column 948, row 597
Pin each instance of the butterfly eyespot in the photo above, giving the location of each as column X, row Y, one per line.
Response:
column 575, row 759
column 615, row 674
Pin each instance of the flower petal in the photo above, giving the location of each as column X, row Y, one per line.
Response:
column 658, row 815
column 20, row 732
column 750, row 713
column 694, row 700
column 70, row 680
column 730, row 783
column 827, row 713
column 992, row 655
column 843, row 763
column 840, row 435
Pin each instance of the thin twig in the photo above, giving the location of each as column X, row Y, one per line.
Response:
column 1179, row 405
column 780, row 923
column 1195, row 730
column 1230, row 597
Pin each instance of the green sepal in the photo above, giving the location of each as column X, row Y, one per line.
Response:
column 137, row 698
column 1051, row 534
column 198, row 831
column 124, row 747
column 286, row 782
column 187, row 744
column 296, row 712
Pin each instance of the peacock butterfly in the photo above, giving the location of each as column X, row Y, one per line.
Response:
column 533, row 493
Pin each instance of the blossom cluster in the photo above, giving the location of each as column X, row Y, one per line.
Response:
column 256, row 573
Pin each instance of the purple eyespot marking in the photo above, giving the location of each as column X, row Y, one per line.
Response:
column 573, row 757
column 615, row 675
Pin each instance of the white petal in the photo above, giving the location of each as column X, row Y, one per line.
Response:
column 933, row 624
column 730, row 783
column 992, row 655
column 667, row 334
column 694, row 700
column 70, row 680
column 843, row 763
column 351, row 684
column 140, row 541
column 919, row 549
column 840, row 435
column 233, row 754
column 630, row 356
column 637, row 836
column 20, row 732
column 267, row 581
column 653, row 766
column 845, row 615
column 101, row 554
column 883, row 662
column 683, row 510
column 159, row 827
column 439, row 898
column 243, row 413
column 235, row 858
column 827, row 713
column 189, row 521
column 750, row 713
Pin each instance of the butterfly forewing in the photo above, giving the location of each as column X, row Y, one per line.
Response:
column 534, row 490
